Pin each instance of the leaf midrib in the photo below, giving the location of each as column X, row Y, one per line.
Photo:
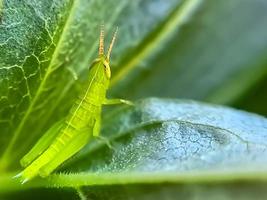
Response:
column 105, row 179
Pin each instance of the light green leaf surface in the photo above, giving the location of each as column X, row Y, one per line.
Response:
column 168, row 135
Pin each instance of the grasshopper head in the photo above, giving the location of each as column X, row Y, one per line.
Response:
column 101, row 64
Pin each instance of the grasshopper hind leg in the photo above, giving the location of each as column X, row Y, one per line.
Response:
column 77, row 143
column 42, row 144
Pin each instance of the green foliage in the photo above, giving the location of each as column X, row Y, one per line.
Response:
column 207, row 50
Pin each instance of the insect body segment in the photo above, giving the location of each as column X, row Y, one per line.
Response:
column 67, row 137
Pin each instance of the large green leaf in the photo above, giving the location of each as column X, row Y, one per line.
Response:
column 185, row 144
column 167, row 135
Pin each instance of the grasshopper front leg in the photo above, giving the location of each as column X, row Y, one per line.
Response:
column 117, row 101
column 97, row 126
column 96, row 131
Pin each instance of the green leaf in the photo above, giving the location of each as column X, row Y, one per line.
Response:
column 185, row 144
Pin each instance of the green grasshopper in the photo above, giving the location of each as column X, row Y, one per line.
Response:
column 67, row 137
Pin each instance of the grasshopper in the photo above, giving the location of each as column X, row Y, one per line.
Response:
column 68, row 136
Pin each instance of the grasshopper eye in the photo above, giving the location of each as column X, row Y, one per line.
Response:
column 107, row 70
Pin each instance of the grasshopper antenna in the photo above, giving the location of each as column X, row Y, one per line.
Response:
column 101, row 41
column 111, row 44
